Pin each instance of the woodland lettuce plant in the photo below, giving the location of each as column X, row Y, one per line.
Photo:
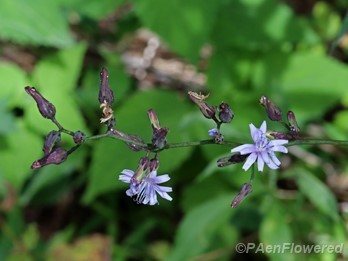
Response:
column 144, row 181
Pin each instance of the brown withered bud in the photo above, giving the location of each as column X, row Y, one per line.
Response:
column 105, row 93
column 294, row 128
column 79, row 137
column 236, row 158
column 207, row 110
column 46, row 109
column 52, row 139
column 225, row 113
column 273, row 112
column 244, row 191
column 57, row 156
column 153, row 119
column 281, row 135
column 132, row 146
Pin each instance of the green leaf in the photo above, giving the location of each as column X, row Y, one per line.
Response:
column 317, row 193
column 36, row 22
column 18, row 150
column 276, row 231
column 184, row 25
column 312, row 83
column 55, row 78
column 196, row 231
column 110, row 156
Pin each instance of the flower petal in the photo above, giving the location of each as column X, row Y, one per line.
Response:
column 250, row 161
column 263, row 127
column 260, row 163
column 244, row 149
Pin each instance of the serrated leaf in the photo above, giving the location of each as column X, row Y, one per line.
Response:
column 317, row 193
column 34, row 22
column 195, row 231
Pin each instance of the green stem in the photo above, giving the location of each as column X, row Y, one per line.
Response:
column 317, row 142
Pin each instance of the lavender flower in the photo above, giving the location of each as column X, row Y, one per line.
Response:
column 262, row 149
column 145, row 191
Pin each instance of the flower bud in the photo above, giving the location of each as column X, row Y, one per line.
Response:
column 244, row 191
column 106, row 95
column 217, row 135
column 154, row 164
column 236, row 158
column 79, row 137
column 207, row 110
column 132, row 146
column 273, row 112
column 142, row 169
column 159, row 137
column 281, row 135
column 57, row 156
column 52, row 139
column 225, row 113
column 153, row 119
column 46, row 108
column 294, row 128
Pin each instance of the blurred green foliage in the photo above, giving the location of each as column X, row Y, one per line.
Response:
column 294, row 53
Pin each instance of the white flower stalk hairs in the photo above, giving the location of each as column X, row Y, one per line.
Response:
column 262, row 150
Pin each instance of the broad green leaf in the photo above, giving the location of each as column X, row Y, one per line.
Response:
column 13, row 81
column 17, row 152
column 55, row 78
column 195, row 233
column 276, row 231
column 7, row 119
column 312, row 83
column 34, row 22
column 184, row 25
column 251, row 24
column 111, row 156
column 317, row 193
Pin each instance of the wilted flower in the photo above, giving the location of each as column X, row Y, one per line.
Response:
column 159, row 136
column 52, row 139
column 207, row 110
column 57, row 156
column 262, row 150
column 244, row 191
column 145, row 191
column 225, row 113
column 236, row 158
column 273, row 112
column 46, row 108
column 294, row 128
column 217, row 135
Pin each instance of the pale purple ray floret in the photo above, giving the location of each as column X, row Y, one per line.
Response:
column 145, row 191
column 262, row 150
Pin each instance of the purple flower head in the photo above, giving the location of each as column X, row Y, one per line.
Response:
column 262, row 150
column 145, row 191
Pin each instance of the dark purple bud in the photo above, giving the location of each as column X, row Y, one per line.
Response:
column 153, row 119
column 46, row 108
column 105, row 93
column 236, row 158
column 57, row 156
column 154, row 164
column 225, row 113
column 281, row 135
column 159, row 137
column 294, row 128
column 244, row 191
column 79, row 137
column 273, row 112
column 207, row 110
column 52, row 139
